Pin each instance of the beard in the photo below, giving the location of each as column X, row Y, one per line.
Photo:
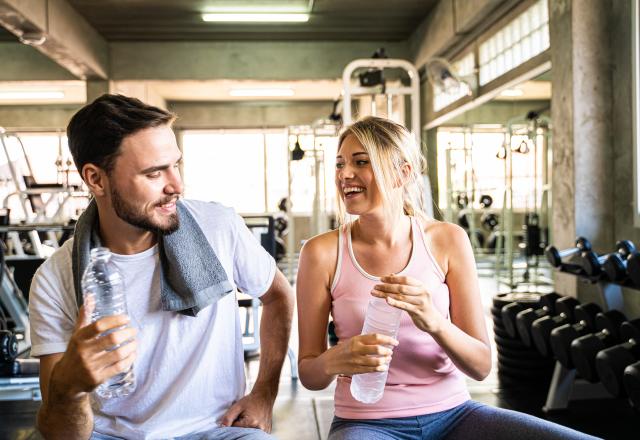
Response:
column 138, row 218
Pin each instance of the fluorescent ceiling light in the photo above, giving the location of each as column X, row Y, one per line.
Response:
column 31, row 94
column 262, row 92
column 512, row 92
column 256, row 9
column 256, row 18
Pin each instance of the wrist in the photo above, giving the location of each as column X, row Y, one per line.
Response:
column 266, row 391
column 63, row 389
column 438, row 327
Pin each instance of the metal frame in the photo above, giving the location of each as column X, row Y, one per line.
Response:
column 413, row 91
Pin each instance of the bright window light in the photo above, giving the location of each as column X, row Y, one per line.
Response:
column 256, row 18
column 31, row 94
column 261, row 92
column 512, row 92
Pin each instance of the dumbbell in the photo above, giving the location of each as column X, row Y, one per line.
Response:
column 633, row 268
column 592, row 262
column 585, row 348
column 631, row 380
column 510, row 311
column 561, row 337
column 542, row 327
column 525, row 318
column 489, row 220
column 554, row 256
column 615, row 265
column 611, row 362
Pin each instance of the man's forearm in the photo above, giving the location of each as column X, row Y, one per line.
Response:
column 275, row 328
column 64, row 417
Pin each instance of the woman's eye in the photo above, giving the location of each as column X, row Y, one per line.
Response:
column 339, row 165
column 362, row 162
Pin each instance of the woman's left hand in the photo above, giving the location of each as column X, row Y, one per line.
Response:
column 409, row 294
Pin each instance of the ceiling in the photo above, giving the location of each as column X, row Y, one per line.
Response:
column 180, row 20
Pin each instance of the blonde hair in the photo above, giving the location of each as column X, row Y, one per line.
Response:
column 390, row 146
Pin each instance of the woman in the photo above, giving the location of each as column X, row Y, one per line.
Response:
column 421, row 266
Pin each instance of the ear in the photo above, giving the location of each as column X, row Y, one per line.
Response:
column 405, row 175
column 96, row 179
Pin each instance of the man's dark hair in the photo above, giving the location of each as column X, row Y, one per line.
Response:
column 97, row 130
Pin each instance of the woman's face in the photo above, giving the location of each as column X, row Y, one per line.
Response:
column 354, row 178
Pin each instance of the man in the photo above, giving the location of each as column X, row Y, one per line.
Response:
column 187, row 359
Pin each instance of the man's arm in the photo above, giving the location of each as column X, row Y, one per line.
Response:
column 66, row 379
column 255, row 410
column 61, row 415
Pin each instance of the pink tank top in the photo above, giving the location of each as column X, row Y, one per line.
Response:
column 422, row 379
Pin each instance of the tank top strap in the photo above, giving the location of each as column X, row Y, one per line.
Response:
column 342, row 250
column 418, row 237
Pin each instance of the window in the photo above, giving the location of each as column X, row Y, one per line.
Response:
column 303, row 172
column 463, row 68
column 231, row 166
column 523, row 38
column 44, row 156
column 473, row 162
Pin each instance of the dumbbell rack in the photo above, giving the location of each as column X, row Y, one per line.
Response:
column 564, row 385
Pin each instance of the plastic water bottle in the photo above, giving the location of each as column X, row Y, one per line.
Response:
column 102, row 285
column 383, row 319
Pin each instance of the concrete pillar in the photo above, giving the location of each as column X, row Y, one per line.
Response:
column 581, row 114
column 96, row 88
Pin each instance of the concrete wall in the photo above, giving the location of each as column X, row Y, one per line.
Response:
column 622, row 135
column 248, row 114
column 241, row 60
column 43, row 116
column 23, row 63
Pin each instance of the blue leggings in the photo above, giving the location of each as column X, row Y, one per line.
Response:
column 471, row 420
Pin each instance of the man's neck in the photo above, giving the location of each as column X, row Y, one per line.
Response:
column 121, row 237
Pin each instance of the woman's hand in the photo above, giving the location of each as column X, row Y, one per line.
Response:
column 409, row 294
column 360, row 354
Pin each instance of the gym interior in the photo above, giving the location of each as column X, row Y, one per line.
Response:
column 527, row 112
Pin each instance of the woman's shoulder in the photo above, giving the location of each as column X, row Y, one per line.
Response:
column 321, row 245
column 443, row 239
column 437, row 230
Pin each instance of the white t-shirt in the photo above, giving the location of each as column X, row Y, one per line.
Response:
column 188, row 370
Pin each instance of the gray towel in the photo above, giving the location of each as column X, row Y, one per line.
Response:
column 192, row 277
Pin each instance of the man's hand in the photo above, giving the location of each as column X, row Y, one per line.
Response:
column 254, row 410
column 91, row 358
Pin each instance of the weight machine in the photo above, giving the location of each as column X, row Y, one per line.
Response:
column 526, row 135
column 38, row 204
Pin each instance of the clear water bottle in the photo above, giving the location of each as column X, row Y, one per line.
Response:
column 103, row 291
column 383, row 319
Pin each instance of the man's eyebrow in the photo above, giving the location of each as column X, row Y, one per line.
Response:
column 158, row 167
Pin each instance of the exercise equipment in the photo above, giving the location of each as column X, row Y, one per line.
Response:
column 541, row 328
column 611, row 362
column 585, row 348
column 555, row 257
column 509, row 312
column 592, row 263
column 615, row 265
column 631, row 381
column 561, row 337
column 633, row 268
column 525, row 318
column 518, row 365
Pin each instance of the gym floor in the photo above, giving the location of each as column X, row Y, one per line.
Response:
column 300, row 414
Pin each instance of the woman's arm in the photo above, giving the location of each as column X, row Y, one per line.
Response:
column 464, row 338
column 318, row 366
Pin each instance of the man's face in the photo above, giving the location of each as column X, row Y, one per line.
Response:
column 145, row 181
